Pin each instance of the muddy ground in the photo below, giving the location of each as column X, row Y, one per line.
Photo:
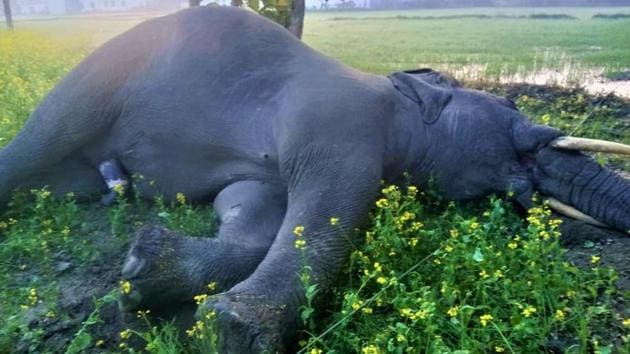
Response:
column 82, row 283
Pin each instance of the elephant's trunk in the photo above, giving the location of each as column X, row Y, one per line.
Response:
column 579, row 181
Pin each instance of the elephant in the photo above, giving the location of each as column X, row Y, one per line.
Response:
column 223, row 105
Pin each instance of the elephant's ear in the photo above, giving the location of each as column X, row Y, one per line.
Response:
column 432, row 99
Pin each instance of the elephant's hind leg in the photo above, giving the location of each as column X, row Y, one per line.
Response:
column 71, row 175
column 164, row 267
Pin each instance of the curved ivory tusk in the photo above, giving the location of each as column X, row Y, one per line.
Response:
column 571, row 212
column 593, row 145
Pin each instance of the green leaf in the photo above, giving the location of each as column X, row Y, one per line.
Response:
column 605, row 350
column 478, row 255
column 79, row 343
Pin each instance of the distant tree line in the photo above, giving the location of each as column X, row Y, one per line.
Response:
column 401, row 4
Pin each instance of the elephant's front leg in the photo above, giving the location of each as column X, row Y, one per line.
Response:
column 165, row 268
column 260, row 314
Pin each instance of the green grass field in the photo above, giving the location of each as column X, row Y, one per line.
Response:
column 380, row 43
column 426, row 275
column 498, row 46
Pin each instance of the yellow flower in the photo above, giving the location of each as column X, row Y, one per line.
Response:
column 559, row 315
column 382, row 203
column 412, row 191
column 413, row 242
column 483, row 274
column 546, row 118
column 626, row 322
column 181, row 198
column 378, row 267
column 400, row 338
column 367, row 310
column 300, row 244
column 99, row 343
column 315, row 351
column 453, row 311
column 406, row 312
column 512, row 245
column 485, row 319
column 125, row 287
column 421, row 314
column 498, row 349
column 124, row 335
column 212, row 286
column 595, row 259
column 498, row 273
column 199, row 299
column 119, row 189
column 416, row 225
column 334, row 221
column 389, row 190
column 370, row 349
column 210, row 315
column 298, row 231
column 454, row 233
column 357, row 305
column 448, row 249
column 381, row 280
column 528, row 311
column 196, row 330
column 32, row 296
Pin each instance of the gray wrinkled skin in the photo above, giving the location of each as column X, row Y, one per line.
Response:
column 218, row 103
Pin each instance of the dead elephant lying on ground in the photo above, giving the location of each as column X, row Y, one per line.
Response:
column 197, row 103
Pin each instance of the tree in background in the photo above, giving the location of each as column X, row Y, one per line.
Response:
column 6, row 4
column 288, row 13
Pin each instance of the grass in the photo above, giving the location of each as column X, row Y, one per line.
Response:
column 426, row 275
column 496, row 47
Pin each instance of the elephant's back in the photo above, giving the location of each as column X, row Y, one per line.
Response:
column 219, row 82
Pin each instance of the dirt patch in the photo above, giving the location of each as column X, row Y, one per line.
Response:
column 583, row 241
column 592, row 80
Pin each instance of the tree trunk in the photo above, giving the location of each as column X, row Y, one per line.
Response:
column 296, row 18
column 193, row 3
column 7, row 13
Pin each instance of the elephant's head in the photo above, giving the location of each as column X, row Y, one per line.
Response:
column 475, row 143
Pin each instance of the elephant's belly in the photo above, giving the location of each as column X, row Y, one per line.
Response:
column 197, row 176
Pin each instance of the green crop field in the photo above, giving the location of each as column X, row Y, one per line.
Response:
column 382, row 43
column 425, row 275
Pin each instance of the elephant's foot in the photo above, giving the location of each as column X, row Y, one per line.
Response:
column 165, row 268
column 246, row 324
column 156, row 270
